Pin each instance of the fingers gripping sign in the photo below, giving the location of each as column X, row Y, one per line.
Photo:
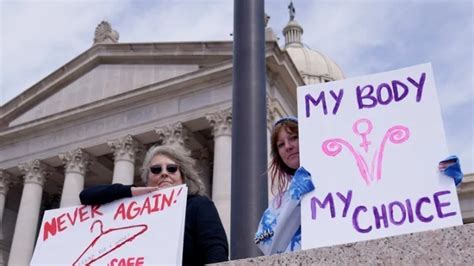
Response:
column 137, row 191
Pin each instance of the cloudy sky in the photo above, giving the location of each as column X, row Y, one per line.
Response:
column 362, row 36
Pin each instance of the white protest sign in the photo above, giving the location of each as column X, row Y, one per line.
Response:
column 372, row 145
column 142, row 230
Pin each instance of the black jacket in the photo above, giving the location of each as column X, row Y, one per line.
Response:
column 205, row 240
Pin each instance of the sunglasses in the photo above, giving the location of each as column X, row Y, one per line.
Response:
column 170, row 168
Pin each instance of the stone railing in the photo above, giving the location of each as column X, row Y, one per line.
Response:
column 449, row 246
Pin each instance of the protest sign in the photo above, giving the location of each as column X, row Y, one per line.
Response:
column 372, row 145
column 142, row 230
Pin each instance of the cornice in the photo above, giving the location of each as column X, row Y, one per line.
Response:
column 467, row 185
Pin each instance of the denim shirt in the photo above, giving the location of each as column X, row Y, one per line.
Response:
column 279, row 229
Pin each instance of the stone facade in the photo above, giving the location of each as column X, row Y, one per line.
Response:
column 59, row 136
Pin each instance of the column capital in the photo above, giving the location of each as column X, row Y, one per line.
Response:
column 221, row 122
column 175, row 133
column 76, row 161
column 34, row 171
column 6, row 181
column 125, row 149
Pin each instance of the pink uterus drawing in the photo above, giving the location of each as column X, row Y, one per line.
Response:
column 396, row 135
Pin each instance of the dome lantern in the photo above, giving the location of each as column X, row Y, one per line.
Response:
column 293, row 30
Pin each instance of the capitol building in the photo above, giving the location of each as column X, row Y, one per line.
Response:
column 90, row 121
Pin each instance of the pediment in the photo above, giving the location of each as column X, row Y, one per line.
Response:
column 103, row 81
column 109, row 76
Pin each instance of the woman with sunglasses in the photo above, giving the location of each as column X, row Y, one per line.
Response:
column 279, row 229
column 205, row 240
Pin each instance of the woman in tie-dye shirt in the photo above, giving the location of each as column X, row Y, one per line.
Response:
column 280, row 227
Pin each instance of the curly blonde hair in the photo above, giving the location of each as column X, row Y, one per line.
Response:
column 184, row 161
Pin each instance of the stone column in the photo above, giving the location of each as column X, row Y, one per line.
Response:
column 5, row 181
column 221, row 123
column 175, row 133
column 125, row 150
column 76, row 164
column 27, row 220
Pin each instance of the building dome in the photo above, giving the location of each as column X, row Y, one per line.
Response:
column 314, row 67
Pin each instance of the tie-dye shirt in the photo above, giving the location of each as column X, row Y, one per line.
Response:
column 279, row 229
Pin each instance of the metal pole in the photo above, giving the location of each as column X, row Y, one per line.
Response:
column 249, row 134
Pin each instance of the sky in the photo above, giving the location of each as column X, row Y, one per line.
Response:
column 361, row 36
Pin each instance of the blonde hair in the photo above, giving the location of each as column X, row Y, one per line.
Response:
column 184, row 161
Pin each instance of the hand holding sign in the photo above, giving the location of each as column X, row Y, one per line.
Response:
column 120, row 230
column 138, row 191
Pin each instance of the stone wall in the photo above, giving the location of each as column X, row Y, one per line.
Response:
column 449, row 246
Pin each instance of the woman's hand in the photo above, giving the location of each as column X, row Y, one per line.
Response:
column 137, row 191
column 452, row 168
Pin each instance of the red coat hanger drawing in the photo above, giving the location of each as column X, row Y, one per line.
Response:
column 108, row 241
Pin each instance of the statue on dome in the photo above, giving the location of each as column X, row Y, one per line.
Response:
column 266, row 19
column 292, row 10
